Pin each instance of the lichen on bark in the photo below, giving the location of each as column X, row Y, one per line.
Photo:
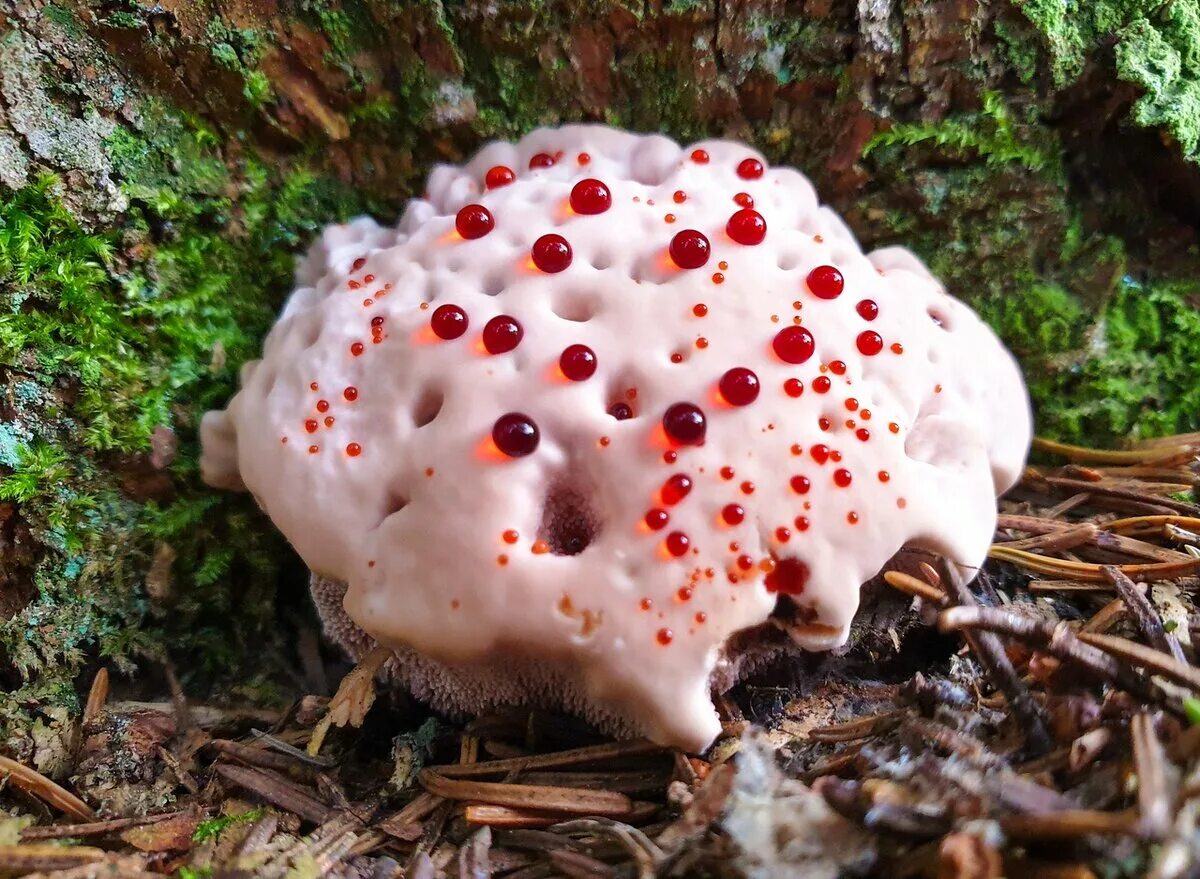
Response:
column 161, row 165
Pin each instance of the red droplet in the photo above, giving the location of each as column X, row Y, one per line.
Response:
column 801, row 484
column 590, row 196
column 701, row 616
column 793, row 387
column 376, row 322
column 646, row 604
column 801, row 523
column 684, row 593
column 822, row 384
column 826, row 282
column 353, row 450
column 884, row 476
column 746, row 227
column 689, row 249
column 312, row 386
column 448, row 322
column 718, row 278
column 842, row 478
column 312, row 450
column 358, row 264
column 665, row 637
column 329, row 421
column 680, row 196
column 474, row 221
column 501, row 334
column 739, row 386
column 782, row 534
column 894, row 427
column 583, row 159
column 868, row 309
column 897, row 348
column 551, row 253
column 685, row 423
column 499, row 175
column 351, row 393
column 676, row 357
column 676, row 489
column 750, row 169
column 700, row 157
column 747, row 487
column 852, row 518
column 727, row 473
column 733, row 514
column 837, row 367
column 515, row 434
column 620, row 411
column 357, row 348
column 311, row 425
column 322, row 405
column 744, row 200
column 657, row 519
column 863, row 434
column 670, row 456
column 577, row 362
column 824, row 423
column 870, row 343
column 793, row 344
column 789, row 577
column 700, row 309
column 511, row 536
column 820, row 453
column 677, row 543
column 541, row 160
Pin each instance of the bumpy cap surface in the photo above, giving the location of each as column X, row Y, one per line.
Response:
column 603, row 401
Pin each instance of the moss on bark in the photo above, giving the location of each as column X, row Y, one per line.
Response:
column 161, row 165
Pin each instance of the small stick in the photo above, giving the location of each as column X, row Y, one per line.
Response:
column 1150, row 659
column 1067, row 538
column 859, row 728
column 1150, row 763
column 574, row 801
column 1088, row 571
column 609, row 751
column 97, row 696
column 910, row 585
column 33, row 782
column 1144, row 614
column 94, row 828
column 1123, row 493
column 1070, row 824
column 1108, row 456
column 1106, row 617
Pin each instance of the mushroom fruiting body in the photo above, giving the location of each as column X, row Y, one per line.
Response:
column 598, row 404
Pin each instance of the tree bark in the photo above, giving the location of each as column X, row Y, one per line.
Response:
column 195, row 146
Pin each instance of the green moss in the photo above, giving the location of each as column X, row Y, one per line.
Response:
column 1156, row 46
column 115, row 341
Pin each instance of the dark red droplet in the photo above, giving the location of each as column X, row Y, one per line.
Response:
column 322, row 405
column 727, row 473
column 801, row 523
column 499, row 175
column 357, row 348
column 750, row 169
column 351, row 394
column 685, row 423
column 665, row 637
column 884, row 476
column 551, row 253
column 577, row 362
column 515, row 434
column 676, row 489
column 501, row 334
column 842, row 478
column 620, row 411
column 824, row 423
column 677, row 543
column 353, row 450
column 826, row 282
column 541, row 160
column 448, row 322
column 739, row 386
column 656, row 519
column 746, row 227
column 868, row 309
column 870, row 343
column 376, row 322
column 822, row 384
column 358, row 264
column 788, row 578
column 590, row 196
column 700, row 157
column 690, row 249
column 733, row 514
column 783, row 535
column 801, row 484
column 863, row 434
column 793, row 387
column 311, row 425
column 794, row 344
column 820, row 453
column 474, row 221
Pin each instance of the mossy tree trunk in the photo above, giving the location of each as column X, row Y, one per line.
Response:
column 160, row 163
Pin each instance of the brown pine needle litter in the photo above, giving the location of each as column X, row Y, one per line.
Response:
column 1042, row 722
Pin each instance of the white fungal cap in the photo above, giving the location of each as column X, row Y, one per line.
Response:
column 490, row 500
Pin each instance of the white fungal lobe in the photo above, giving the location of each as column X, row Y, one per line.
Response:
column 609, row 412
